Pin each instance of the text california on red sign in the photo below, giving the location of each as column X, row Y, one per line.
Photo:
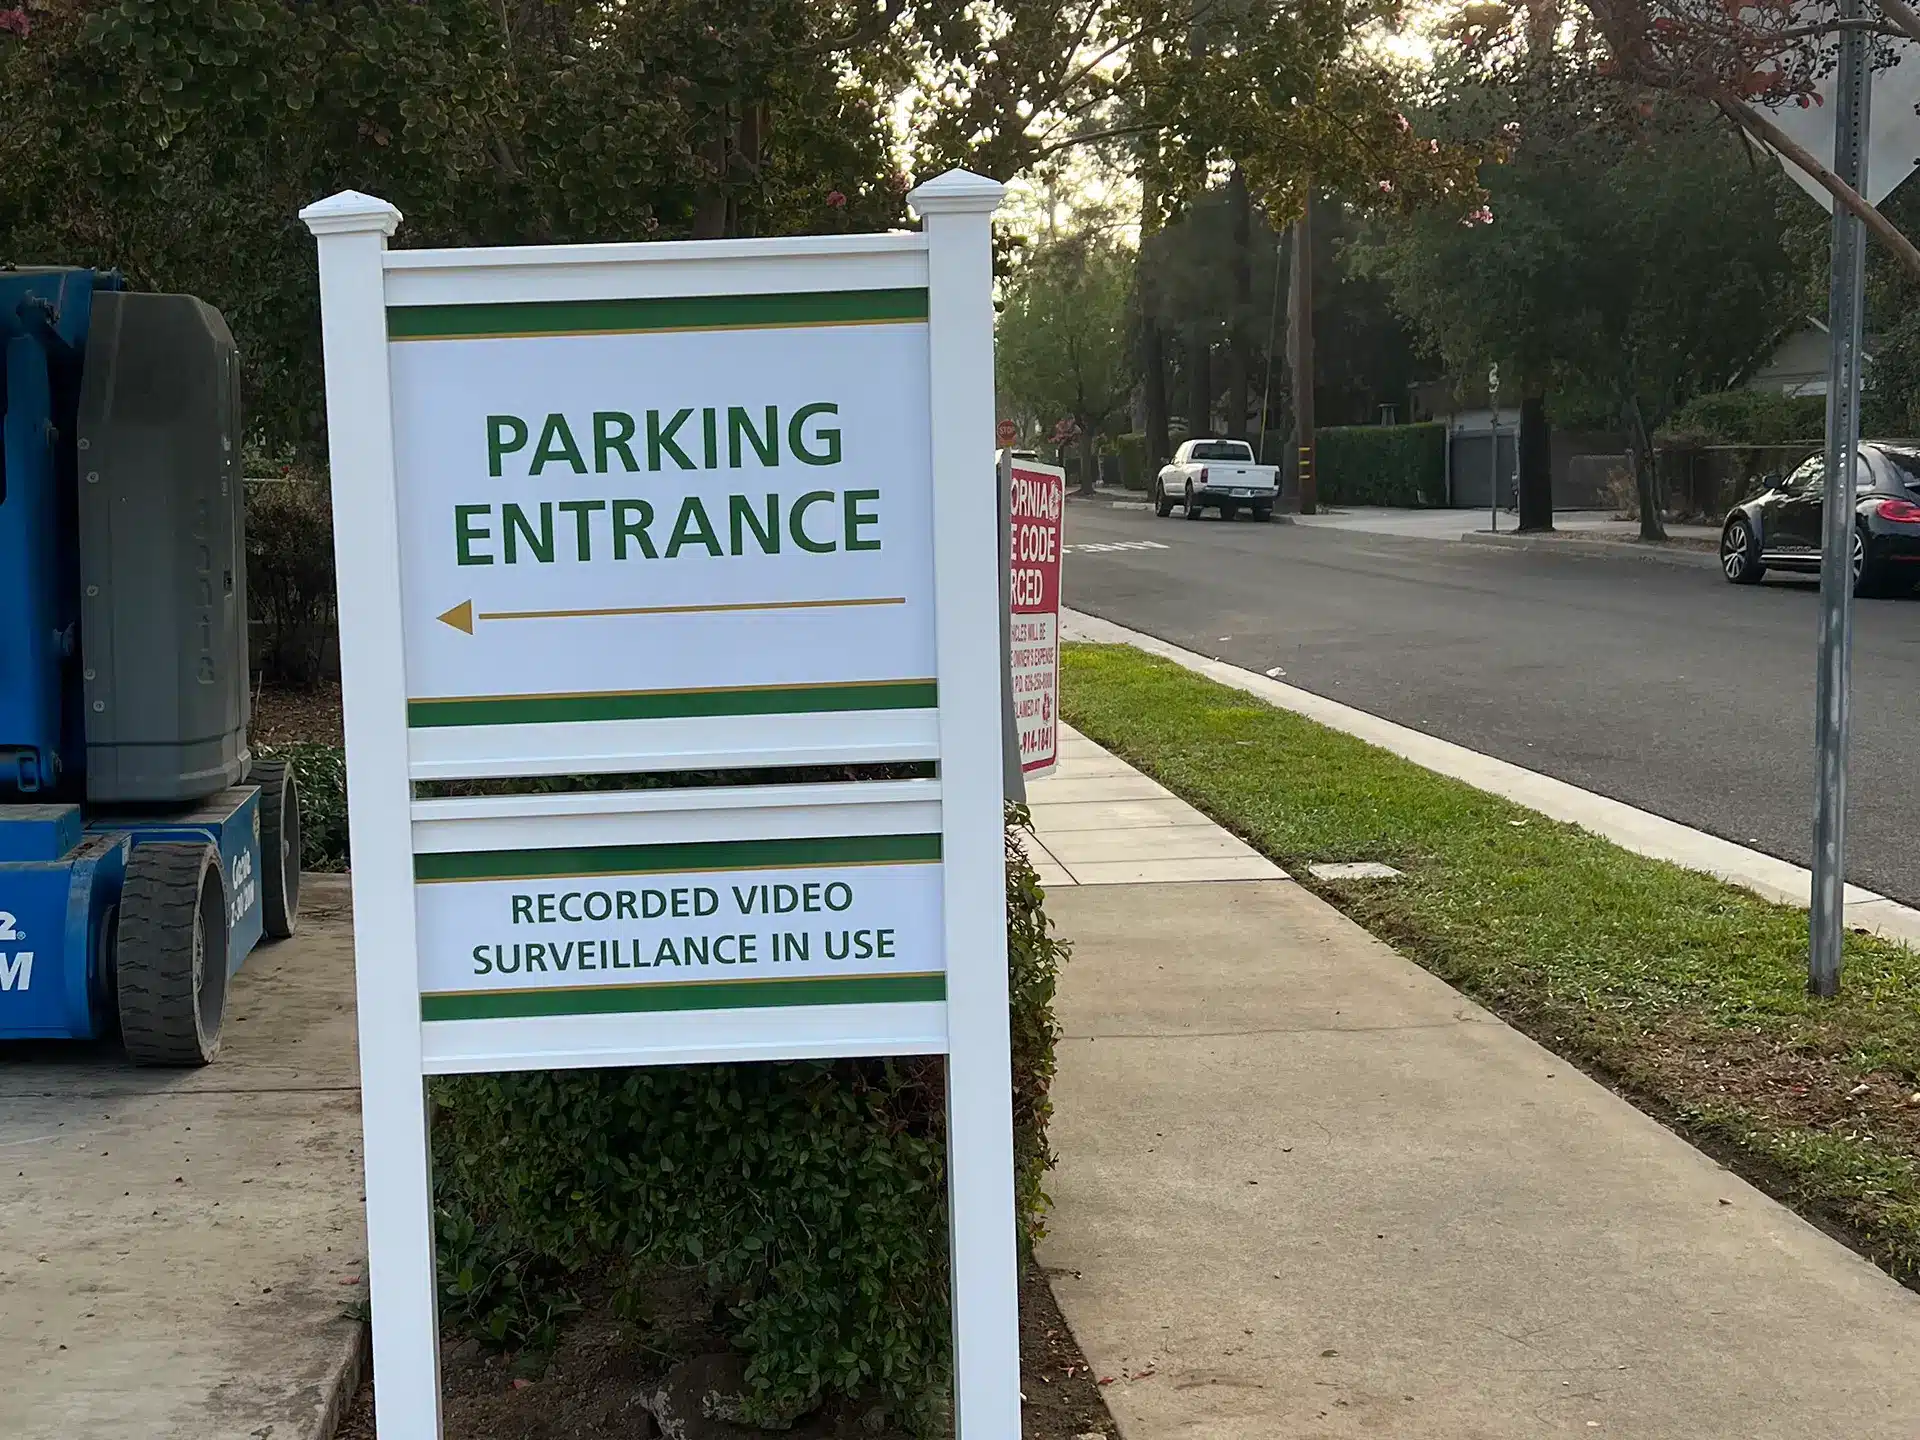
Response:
column 1037, row 509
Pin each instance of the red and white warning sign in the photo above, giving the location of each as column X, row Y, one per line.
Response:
column 1038, row 510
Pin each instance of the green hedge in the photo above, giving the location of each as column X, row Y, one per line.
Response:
column 1747, row 417
column 1402, row 465
column 1135, row 470
column 806, row 1199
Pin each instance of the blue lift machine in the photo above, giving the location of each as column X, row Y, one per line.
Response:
column 143, row 850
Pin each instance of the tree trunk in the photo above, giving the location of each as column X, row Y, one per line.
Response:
column 1153, row 366
column 1153, row 348
column 1199, row 383
column 1239, row 360
column 1536, row 462
column 1089, row 462
column 710, row 208
column 1300, row 358
column 1645, row 480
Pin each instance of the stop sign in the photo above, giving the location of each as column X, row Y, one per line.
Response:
column 1005, row 433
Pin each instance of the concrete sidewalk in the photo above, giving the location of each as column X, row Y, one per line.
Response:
column 180, row 1250
column 1308, row 1190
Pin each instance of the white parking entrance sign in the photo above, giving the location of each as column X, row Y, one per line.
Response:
column 666, row 508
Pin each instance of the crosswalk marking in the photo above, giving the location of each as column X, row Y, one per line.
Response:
column 1096, row 546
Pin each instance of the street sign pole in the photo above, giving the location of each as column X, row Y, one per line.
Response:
column 1493, row 442
column 1833, row 678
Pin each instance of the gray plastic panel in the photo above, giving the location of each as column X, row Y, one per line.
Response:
column 163, row 601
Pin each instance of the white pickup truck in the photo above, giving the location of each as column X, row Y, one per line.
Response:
column 1220, row 473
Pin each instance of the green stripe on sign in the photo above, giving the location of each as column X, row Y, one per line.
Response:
column 590, row 860
column 700, row 995
column 678, row 312
column 670, row 704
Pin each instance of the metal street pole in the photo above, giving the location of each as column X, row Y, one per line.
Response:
column 1833, row 680
column 1273, row 326
column 1301, row 357
column 1493, row 441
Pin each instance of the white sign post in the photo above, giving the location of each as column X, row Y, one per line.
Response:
column 664, row 507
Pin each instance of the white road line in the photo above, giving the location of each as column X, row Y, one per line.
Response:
column 1097, row 547
column 1631, row 829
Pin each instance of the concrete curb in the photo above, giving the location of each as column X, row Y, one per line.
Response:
column 1637, row 830
column 1603, row 549
column 349, row 1366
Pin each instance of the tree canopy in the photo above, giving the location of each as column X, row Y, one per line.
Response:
column 176, row 139
column 1631, row 251
column 1063, row 348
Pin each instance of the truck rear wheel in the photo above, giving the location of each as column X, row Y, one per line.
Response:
column 171, row 954
column 279, row 847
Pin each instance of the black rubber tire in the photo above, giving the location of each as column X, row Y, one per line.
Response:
column 279, row 847
column 1263, row 514
column 1162, row 506
column 171, row 954
column 1740, row 559
column 1192, row 511
column 1869, row 580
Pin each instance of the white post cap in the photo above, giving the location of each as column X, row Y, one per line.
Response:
column 956, row 192
column 350, row 211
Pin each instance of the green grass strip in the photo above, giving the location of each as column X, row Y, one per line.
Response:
column 700, row 855
column 671, row 704
column 680, row 312
column 696, row 995
column 1687, row 992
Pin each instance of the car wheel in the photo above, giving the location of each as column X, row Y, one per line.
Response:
column 1869, row 581
column 1740, row 552
column 1193, row 511
column 1162, row 505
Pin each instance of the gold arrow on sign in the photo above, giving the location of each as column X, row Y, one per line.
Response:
column 462, row 616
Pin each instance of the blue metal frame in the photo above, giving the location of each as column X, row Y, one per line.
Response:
column 44, row 316
column 60, row 887
column 62, row 873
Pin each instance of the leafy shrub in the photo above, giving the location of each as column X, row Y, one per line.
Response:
column 809, row 1197
column 1747, row 417
column 290, row 584
column 1135, row 473
column 1381, row 464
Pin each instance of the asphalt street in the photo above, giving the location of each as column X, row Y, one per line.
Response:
column 1659, row 685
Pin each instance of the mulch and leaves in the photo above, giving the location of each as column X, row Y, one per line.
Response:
column 297, row 717
column 603, row 1380
column 1686, row 994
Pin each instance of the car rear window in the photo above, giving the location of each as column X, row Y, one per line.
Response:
column 1905, row 466
column 1223, row 450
